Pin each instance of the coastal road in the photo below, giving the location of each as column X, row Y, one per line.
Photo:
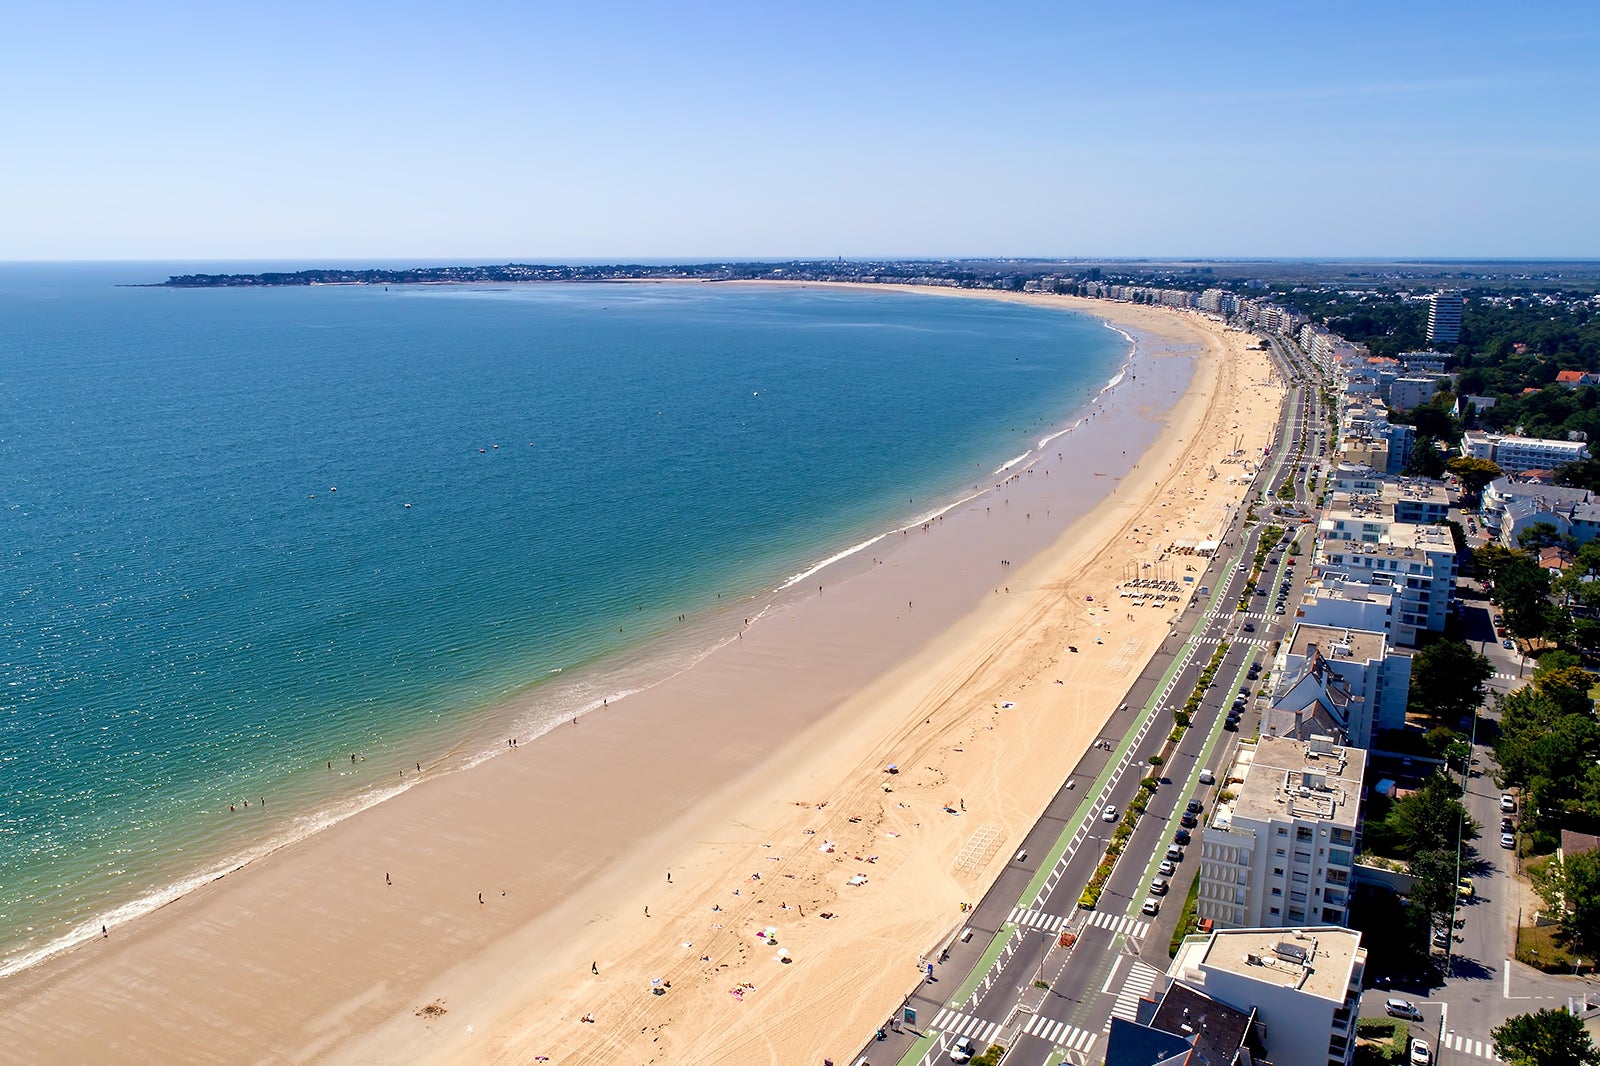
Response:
column 985, row 983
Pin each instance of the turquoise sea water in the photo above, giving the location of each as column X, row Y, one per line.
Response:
column 214, row 586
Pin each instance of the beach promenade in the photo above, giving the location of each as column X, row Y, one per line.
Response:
column 734, row 833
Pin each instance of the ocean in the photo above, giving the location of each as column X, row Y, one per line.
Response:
column 262, row 542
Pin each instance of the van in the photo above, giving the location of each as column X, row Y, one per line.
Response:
column 1396, row 1007
column 1207, row 777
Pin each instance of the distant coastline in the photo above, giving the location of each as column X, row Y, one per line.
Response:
column 984, row 275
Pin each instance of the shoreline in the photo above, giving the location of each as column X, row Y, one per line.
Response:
column 541, row 705
column 430, row 819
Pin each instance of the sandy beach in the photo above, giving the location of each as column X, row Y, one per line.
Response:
column 483, row 915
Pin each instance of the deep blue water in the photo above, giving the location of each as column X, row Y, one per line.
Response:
column 214, row 585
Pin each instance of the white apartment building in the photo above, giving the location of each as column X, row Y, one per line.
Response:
column 1335, row 676
column 1516, row 454
column 1358, row 487
column 1304, row 987
column 1444, row 318
column 1419, row 561
column 1409, row 392
column 1429, row 362
column 1340, row 602
column 1281, row 852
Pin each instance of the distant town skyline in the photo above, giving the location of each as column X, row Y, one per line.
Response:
column 552, row 133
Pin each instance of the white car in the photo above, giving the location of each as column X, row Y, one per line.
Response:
column 962, row 1050
column 1508, row 803
column 1420, row 1055
column 1207, row 777
column 1109, row 814
column 1152, row 906
column 1508, row 841
column 1167, row 867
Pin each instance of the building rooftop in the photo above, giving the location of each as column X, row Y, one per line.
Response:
column 1338, row 587
column 1336, row 642
column 1282, row 779
column 1216, row 1029
column 1318, row 961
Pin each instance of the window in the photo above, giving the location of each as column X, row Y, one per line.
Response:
column 1302, row 833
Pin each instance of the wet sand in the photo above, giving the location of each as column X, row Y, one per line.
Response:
column 368, row 942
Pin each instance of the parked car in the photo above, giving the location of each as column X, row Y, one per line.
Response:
column 1152, row 906
column 1508, row 803
column 1188, row 821
column 1167, row 867
column 1419, row 1053
column 1181, row 837
column 1464, row 888
column 1507, row 824
column 1508, row 840
column 1508, row 643
column 1195, row 806
column 1396, row 1007
column 1159, row 886
column 1174, row 853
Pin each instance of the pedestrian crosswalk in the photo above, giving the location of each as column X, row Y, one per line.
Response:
column 1120, row 923
column 1060, row 1034
column 1055, row 923
column 1504, row 677
column 1050, row 923
column 1483, row 1049
column 1141, row 978
column 958, row 1024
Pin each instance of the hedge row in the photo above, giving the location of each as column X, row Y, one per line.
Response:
column 1119, row 840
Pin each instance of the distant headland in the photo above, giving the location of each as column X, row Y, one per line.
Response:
column 1048, row 275
column 984, row 274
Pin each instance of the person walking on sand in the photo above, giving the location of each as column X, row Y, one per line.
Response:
column 669, row 877
column 647, row 910
column 480, row 897
column 594, row 967
column 386, row 879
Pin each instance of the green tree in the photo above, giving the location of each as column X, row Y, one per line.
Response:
column 1424, row 460
column 1447, row 678
column 1522, row 589
column 1474, row 474
column 1430, row 818
column 1546, row 1038
column 1493, row 558
column 1548, row 746
column 1570, row 888
column 1434, row 891
column 1538, row 536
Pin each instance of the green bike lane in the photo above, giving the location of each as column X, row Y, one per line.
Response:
column 1136, row 730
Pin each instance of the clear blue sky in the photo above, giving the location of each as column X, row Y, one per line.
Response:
column 556, row 131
